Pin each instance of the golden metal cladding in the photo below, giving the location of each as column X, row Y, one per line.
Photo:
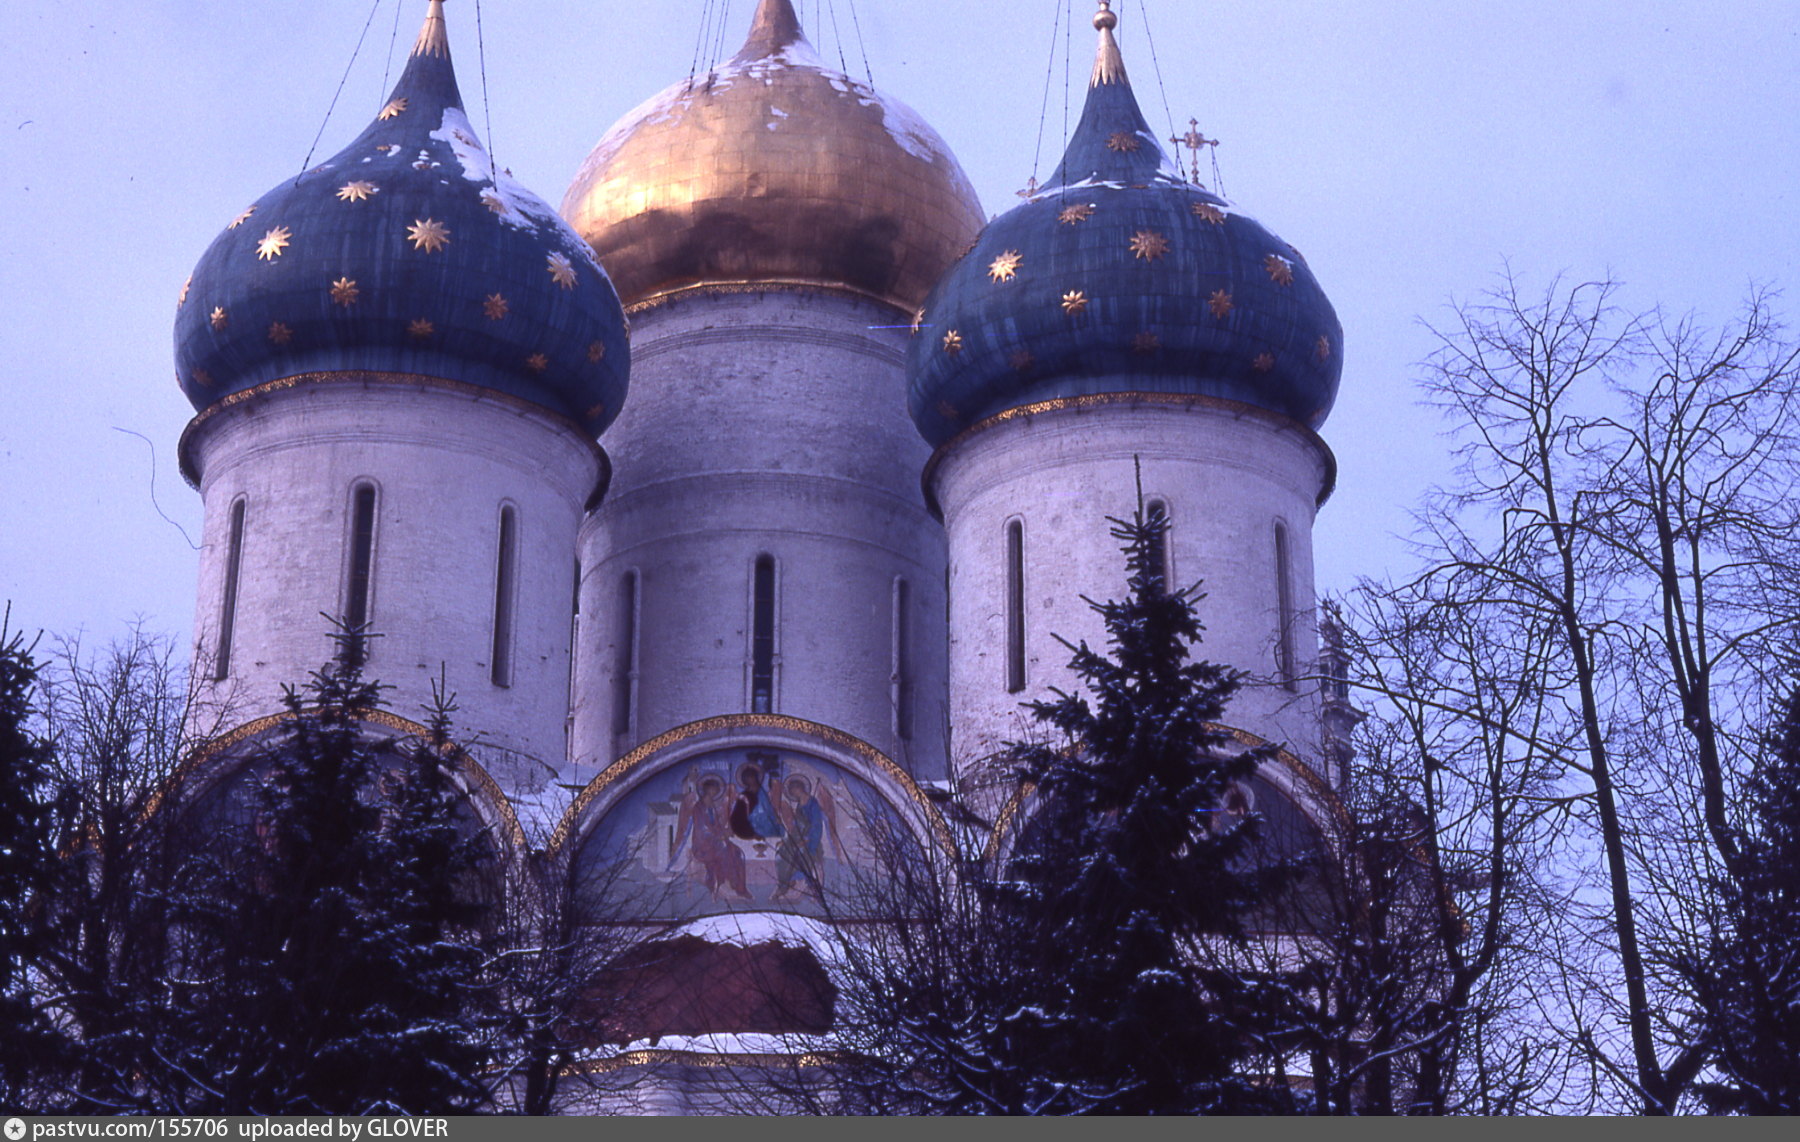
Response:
column 774, row 169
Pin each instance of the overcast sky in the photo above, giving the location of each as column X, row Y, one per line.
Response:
column 1407, row 149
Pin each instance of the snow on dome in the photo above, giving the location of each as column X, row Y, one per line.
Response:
column 382, row 260
column 697, row 187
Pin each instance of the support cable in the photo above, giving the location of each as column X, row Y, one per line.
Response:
column 393, row 41
column 1037, row 154
column 487, row 116
column 307, row 162
column 1144, row 15
column 861, row 47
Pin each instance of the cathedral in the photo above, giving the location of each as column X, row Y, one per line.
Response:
column 743, row 501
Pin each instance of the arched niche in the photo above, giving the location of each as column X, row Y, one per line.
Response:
column 1303, row 826
column 747, row 813
column 219, row 779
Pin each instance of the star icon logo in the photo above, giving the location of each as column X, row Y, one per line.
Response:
column 1149, row 245
column 15, row 1129
column 562, row 271
column 273, row 243
column 428, row 234
column 1006, row 266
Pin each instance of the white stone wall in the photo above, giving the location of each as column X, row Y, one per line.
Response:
column 1227, row 474
column 443, row 462
column 764, row 423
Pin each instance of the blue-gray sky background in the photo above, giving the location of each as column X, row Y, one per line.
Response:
column 1406, row 148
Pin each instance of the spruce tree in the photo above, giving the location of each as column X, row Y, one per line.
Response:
column 27, row 869
column 1749, row 988
column 328, row 958
column 1130, row 880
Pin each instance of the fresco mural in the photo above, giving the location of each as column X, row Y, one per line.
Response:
column 741, row 829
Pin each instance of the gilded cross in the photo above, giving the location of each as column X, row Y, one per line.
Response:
column 1194, row 141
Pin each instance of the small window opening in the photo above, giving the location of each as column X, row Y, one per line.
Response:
column 505, row 572
column 234, row 560
column 1156, row 513
column 625, row 662
column 903, row 667
column 762, row 637
column 1284, row 596
column 1015, row 606
column 362, row 568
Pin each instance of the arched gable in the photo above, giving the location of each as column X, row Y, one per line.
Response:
column 743, row 813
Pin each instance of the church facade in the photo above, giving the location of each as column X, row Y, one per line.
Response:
column 743, row 501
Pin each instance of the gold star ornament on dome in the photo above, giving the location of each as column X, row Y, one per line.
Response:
column 1006, row 266
column 1263, row 362
column 1080, row 212
column 242, row 218
column 357, row 190
column 917, row 321
column 1074, row 303
column 345, row 292
column 203, row 378
column 273, row 243
column 494, row 307
column 1279, row 269
column 420, row 329
column 562, row 271
column 220, row 319
column 491, row 199
column 596, row 352
column 1219, row 303
column 279, row 333
column 946, row 410
column 1207, row 212
column 1021, row 360
column 1149, row 245
column 1323, row 349
column 537, row 362
column 181, row 299
column 1123, row 141
column 953, row 342
column 1146, row 342
column 428, row 235
column 393, row 108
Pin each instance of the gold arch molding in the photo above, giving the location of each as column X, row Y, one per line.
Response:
column 1291, row 777
column 677, row 745
column 203, row 768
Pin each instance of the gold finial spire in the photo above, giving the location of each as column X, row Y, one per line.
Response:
column 774, row 28
column 433, row 39
column 1109, row 65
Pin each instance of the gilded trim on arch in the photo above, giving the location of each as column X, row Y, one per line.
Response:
column 1319, row 792
column 481, row 784
column 725, row 723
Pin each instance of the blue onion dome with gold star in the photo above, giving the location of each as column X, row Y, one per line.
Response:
column 409, row 254
column 1122, row 276
column 774, row 170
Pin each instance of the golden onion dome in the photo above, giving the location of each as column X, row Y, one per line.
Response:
column 774, row 169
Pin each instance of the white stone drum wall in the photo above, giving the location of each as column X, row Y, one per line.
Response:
column 443, row 462
column 1228, row 473
column 775, row 423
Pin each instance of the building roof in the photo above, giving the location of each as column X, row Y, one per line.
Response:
column 407, row 252
column 1120, row 275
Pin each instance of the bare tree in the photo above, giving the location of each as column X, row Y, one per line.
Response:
column 1623, row 529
